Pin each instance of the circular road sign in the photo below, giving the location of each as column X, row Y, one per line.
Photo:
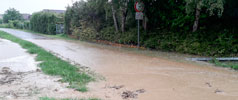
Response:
column 139, row 6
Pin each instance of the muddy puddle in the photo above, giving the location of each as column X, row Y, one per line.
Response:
column 158, row 77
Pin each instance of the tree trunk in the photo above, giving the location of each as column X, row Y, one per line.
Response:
column 145, row 21
column 123, row 20
column 114, row 18
column 197, row 17
column 124, row 10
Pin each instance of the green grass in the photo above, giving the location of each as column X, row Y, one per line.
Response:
column 53, row 65
column 233, row 65
column 47, row 98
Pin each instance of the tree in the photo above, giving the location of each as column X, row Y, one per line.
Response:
column 212, row 6
column 11, row 14
column 1, row 21
column 124, row 12
column 44, row 22
column 114, row 15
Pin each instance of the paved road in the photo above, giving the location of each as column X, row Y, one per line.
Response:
column 23, row 35
column 163, row 79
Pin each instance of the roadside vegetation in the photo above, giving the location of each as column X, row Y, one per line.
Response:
column 226, row 64
column 13, row 19
column 199, row 27
column 53, row 65
column 46, row 22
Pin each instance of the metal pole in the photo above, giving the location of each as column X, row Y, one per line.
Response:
column 138, row 33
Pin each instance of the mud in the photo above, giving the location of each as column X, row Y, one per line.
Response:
column 163, row 76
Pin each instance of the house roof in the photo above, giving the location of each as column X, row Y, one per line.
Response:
column 54, row 11
column 26, row 16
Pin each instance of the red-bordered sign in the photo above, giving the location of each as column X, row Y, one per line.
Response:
column 139, row 6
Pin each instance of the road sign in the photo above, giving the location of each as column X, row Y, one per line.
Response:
column 139, row 6
column 139, row 15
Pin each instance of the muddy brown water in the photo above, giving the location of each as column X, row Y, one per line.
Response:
column 161, row 78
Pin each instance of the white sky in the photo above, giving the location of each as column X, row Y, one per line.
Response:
column 30, row 6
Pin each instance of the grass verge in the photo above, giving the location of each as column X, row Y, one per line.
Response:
column 233, row 65
column 53, row 65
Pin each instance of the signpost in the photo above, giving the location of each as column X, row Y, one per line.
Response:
column 139, row 8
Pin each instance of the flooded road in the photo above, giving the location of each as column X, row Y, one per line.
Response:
column 161, row 78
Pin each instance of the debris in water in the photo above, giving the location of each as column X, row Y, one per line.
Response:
column 6, row 70
column 8, row 76
column 129, row 94
column 140, row 91
column 117, row 87
column 209, row 85
column 218, row 91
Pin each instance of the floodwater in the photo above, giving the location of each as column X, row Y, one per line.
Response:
column 12, row 55
column 19, row 78
column 161, row 78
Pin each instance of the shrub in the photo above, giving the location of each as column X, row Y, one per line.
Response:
column 26, row 25
column 85, row 32
column 1, row 21
column 44, row 22
column 108, row 34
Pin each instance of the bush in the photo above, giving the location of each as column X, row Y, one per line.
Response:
column 1, row 21
column 16, row 24
column 85, row 32
column 108, row 34
column 129, row 37
column 44, row 22
column 152, row 42
column 3, row 25
column 26, row 25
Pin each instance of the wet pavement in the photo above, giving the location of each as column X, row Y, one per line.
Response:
column 23, row 35
column 13, row 56
column 161, row 78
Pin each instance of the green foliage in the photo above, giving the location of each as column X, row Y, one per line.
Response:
column 15, row 24
column 26, row 25
column 229, row 64
column 44, row 22
column 168, row 24
column 108, row 34
column 129, row 37
column 11, row 14
column 1, row 21
column 91, row 12
column 212, row 6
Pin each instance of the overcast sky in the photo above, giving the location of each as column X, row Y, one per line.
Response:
column 30, row 6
